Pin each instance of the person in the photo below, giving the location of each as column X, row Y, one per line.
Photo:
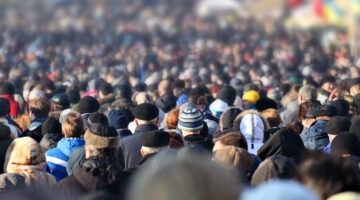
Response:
column 59, row 102
column 166, row 100
column 119, row 120
column 346, row 144
column 25, row 157
column 39, row 111
column 100, row 170
column 56, row 158
column 51, row 131
column 5, row 141
column 4, row 112
column 327, row 85
column 146, row 118
column 315, row 137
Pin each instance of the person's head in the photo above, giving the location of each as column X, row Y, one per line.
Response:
column 101, row 141
column 73, row 125
column 345, row 144
column 4, row 107
column 88, row 104
column 250, row 98
column 227, row 94
column 307, row 93
column 146, row 113
column 307, row 113
column 230, row 137
column 196, row 178
column 172, row 118
column 118, row 119
column 39, row 107
column 336, row 125
column 190, row 120
column 328, row 175
column 325, row 112
column 154, row 141
column 51, row 125
column 60, row 101
column 164, row 87
column 234, row 158
column 7, row 88
column 328, row 83
column 217, row 108
column 73, row 92
column 227, row 118
column 272, row 117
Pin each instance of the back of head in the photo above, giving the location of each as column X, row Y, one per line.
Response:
column 4, row 107
column 272, row 116
column 88, row 104
column 342, row 107
column 61, row 100
column 307, row 93
column 50, row 125
column 172, row 118
column 328, row 175
column 227, row 94
column 338, row 124
column 7, row 88
column 345, row 144
column 40, row 106
column 118, row 119
column 190, row 119
column 73, row 125
column 227, row 118
column 189, row 172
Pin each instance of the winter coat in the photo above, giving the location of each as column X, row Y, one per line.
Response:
column 24, row 121
column 5, row 141
column 315, row 137
column 50, row 140
column 34, row 129
column 284, row 142
column 56, row 158
column 130, row 146
column 25, row 157
column 94, row 175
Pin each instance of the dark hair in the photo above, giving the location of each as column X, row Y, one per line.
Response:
column 304, row 106
column 88, row 104
column 97, row 117
column 328, row 175
column 73, row 93
column 106, row 88
column 231, row 137
column 7, row 88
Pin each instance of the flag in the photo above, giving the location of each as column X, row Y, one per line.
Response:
column 328, row 11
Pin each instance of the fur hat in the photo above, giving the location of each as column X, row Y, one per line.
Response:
column 88, row 104
column 190, row 119
column 118, row 119
column 227, row 94
column 101, row 136
column 251, row 96
column 155, row 139
column 217, row 107
column 145, row 111
column 338, row 124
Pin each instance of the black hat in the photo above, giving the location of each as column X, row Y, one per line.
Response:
column 51, row 125
column 7, row 88
column 88, row 104
column 342, row 107
column 311, row 111
column 326, row 110
column 166, row 102
column 118, row 119
column 4, row 106
column 145, row 111
column 155, row 138
column 355, row 126
column 61, row 99
column 345, row 143
column 338, row 124
column 227, row 94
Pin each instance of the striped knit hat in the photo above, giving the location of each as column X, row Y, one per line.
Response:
column 190, row 119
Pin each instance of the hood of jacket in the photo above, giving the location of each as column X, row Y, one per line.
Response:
column 67, row 145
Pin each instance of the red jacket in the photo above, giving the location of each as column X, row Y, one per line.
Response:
column 14, row 105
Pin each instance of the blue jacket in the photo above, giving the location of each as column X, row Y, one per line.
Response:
column 315, row 137
column 56, row 158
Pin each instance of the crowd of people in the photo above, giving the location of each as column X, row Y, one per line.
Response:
column 137, row 99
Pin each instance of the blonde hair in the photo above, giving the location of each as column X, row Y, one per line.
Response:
column 73, row 125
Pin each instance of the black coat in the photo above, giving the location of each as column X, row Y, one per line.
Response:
column 130, row 146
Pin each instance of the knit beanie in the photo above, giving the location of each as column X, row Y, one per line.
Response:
column 217, row 107
column 345, row 143
column 227, row 94
column 51, row 125
column 251, row 96
column 190, row 119
column 101, row 136
column 118, row 119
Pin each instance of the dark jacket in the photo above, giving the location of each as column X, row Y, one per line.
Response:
column 50, row 140
column 34, row 129
column 5, row 141
column 284, row 142
column 315, row 137
column 130, row 146
column 94, row 175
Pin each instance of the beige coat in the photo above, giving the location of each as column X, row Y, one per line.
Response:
column 25, row 157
